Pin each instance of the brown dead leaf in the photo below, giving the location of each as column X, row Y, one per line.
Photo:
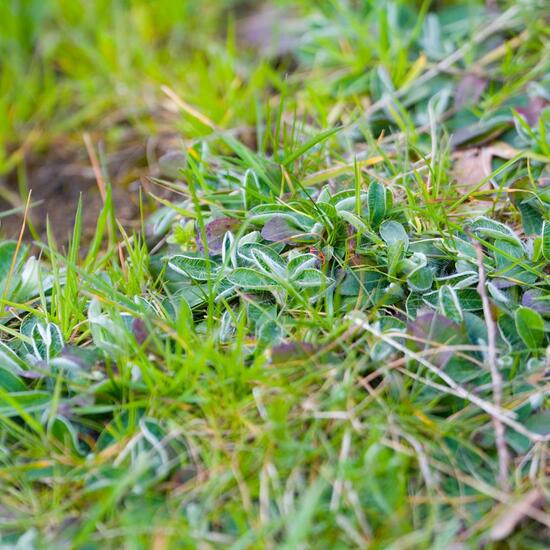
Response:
column 471, row 166
column 512, row 515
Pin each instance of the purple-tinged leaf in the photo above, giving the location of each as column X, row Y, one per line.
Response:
column 139, row 329
column 279, row 229
column 434, row 331
column 34, row 374
column 69, row 408
column 535, row 299
column 532, row 111
column 215, row 231
column 83, row 358
column 292, row 351
column 502, row 284
column 469, row 90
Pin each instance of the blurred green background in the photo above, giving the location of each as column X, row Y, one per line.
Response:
column 67, row 63
column 97, row 66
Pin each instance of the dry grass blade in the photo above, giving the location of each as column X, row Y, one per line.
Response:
column 17, row 248
column 189, row 109
column 506, row 417
column 527, row 506
column 500, row 435
column 521, row 510
column 95, row 165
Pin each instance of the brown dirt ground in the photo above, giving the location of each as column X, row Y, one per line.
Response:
column 59, row 176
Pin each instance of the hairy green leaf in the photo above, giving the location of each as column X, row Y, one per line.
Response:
column 530, row 327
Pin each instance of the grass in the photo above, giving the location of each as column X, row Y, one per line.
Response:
column 333, row 332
